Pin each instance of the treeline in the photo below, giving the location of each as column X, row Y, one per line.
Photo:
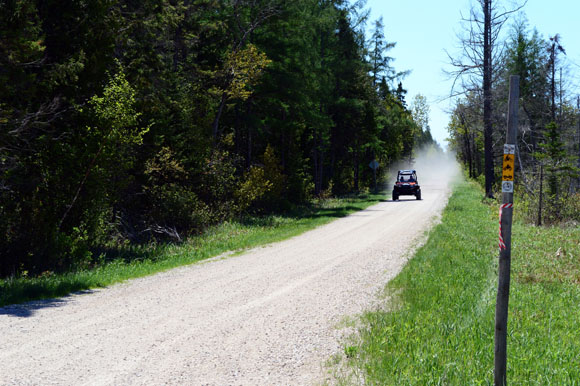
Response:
column 130, row 121
column 548, row 140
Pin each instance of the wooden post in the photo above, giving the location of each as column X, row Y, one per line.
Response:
column 506, row 212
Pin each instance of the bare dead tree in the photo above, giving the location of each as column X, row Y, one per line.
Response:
column 555, row 47
column 487, row 124
column 474, row 68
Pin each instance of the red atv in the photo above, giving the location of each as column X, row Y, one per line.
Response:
column 406, row 185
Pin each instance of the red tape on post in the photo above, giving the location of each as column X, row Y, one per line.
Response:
column 501, row 243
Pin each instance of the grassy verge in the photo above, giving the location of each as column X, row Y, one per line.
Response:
column 138, row 261
column 439, row 328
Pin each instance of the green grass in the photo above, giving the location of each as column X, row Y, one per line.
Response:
column 138, row 261
column 439, row 328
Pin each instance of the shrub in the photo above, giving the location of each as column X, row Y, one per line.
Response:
column 218, row 183
column 254, row 186
column 173, row 205
column 274, row 174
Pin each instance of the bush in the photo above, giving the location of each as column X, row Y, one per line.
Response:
column 173, row 205
column 555, row 208
column 218, row 183
column 177, row 207
column 274, row 174
column 254, row 186
column 70, row 250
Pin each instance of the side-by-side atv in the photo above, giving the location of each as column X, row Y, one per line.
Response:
column 406, row 185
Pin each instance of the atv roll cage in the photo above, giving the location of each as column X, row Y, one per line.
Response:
column 406, row 184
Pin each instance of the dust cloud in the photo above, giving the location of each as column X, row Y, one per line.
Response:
column 433, row 167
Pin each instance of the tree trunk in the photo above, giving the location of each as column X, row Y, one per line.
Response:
column 250, row 138
column 285, row 144
column 356, row 170
column 487, row 108
column 553, row 81
column 249, row 153
column 216, row 121
column 318, row 161
column 539, row 221
column 533, row 130
column 477, row 157
column 320, row 168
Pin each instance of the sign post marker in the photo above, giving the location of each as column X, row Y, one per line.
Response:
column 505, row 236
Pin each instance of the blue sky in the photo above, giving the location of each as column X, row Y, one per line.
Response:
column 424, row 29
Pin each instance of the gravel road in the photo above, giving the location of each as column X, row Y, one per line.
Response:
column 269, row 316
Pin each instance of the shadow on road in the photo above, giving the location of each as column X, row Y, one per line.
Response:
column 23, row 291
column 27, row 310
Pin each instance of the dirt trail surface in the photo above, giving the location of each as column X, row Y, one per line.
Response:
column 266, row 317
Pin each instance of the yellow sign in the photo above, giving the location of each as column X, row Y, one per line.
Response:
column 508, row 167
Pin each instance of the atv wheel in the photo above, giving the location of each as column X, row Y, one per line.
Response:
column 418, row 195
column 395, row 197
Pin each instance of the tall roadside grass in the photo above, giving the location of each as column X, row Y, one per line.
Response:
column 137, row 261
column 437, row 327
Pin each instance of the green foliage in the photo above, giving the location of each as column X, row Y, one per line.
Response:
column 244, row 68
column 420, row 111
column 72, row 249
column 273, row 173
column 123, row 122
column 218, row 183
column 115, row 112
column 254, row 186
column 559, row 167
column 172, row 202
column 564, row 208
column 108, row 155
column 51, row 66
column 21, row 20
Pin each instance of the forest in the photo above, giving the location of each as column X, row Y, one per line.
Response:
column 498, row 43
column 128, row 122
